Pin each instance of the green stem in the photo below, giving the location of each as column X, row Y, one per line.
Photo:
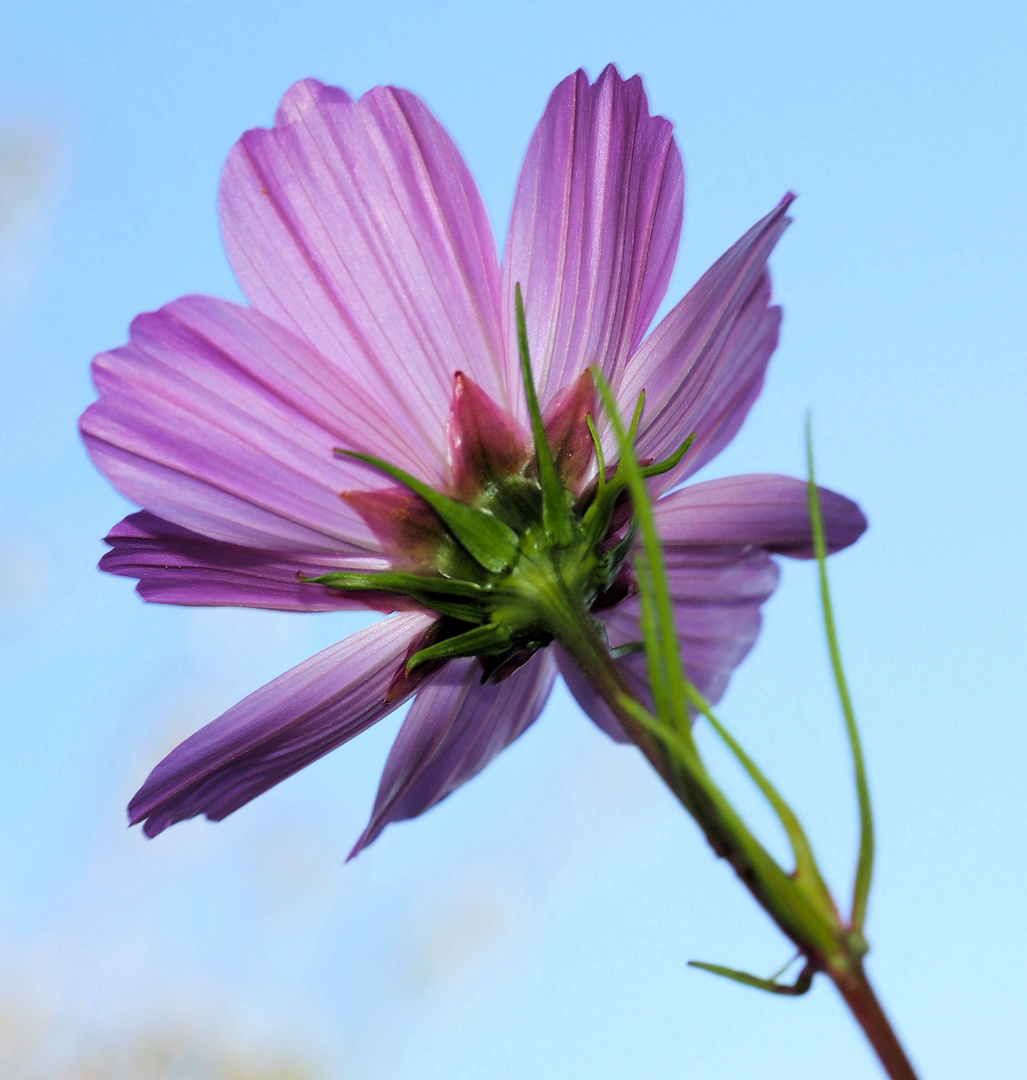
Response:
column 576, row 631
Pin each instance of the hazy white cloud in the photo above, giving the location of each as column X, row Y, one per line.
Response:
column 27, row 159
column 460, row 932
column 23, row 579
column 35, row 1044
column 29, row 172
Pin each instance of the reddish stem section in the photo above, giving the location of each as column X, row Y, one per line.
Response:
column 859, row 995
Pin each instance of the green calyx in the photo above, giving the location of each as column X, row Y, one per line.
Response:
column 532, row 557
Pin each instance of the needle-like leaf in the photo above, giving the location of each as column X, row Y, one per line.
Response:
column 796, row 989
column 865, row 861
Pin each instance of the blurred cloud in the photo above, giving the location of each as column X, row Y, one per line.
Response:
column 22, row 577
column 33, row 1046
column 30, row 159
column 26, row 170
column 459, row 932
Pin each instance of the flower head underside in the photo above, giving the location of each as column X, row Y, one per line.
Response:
column 399, row 421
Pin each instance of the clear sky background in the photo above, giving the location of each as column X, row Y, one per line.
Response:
column 538, row 923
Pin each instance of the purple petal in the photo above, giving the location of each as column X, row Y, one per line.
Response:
column 215, row 418
column 455, row 727
column 717, row 593
column 357, row 225
column 587, row 697
column 278, row 730
column 594, row 230
column 175, row 566
column 764, row 510
column 702, row 367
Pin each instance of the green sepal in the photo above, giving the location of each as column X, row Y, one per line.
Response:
column 616, row 555
column 487, row 640
column 493, row 544
column 597, row 443
column 771, row 986
column 556, row 516
column 443, row 595
column 629, row 648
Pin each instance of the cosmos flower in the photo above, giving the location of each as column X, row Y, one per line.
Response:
column 361, row 435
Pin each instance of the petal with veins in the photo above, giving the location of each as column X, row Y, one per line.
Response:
column 702, row 367
column 175, row 566
column 594, row 230
column 455, row 727
column 279, row 729
column 215, row 418
column 357, row 225
column 763, row 509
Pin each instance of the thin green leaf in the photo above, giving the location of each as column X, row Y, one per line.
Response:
column 865, row 861
column 659, row 677
column 629, row 648
column 660, row 467
column 806, row 870
column 555, row 512
column 790, row 903
column 493, row 544
column 399, row 582
column 771, row 986
column 785, row 966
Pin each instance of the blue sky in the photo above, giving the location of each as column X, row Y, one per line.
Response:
column 539, row 921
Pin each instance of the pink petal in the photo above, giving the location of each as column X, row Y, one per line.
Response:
column 215, row 418
column 764, row 510
column 278, row 730
column 717, row 537
column 357, row 225
column 455, row 727
column 702, row 367
column 587, row 696
column 175, row 566
column 594, row 231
